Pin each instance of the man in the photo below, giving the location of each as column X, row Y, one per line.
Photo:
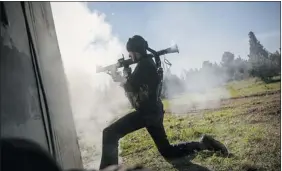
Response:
column 141, row 87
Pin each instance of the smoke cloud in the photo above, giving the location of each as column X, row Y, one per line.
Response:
column 202, row 90
column 85, row 40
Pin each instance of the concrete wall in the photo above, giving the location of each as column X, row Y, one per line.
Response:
column 40, row 113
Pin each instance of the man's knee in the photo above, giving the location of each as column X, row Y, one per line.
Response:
column 170, row 152
column 165, row 151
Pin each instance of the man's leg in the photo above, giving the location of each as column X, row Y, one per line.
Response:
column 170, row 151
column 167, row 150
column 111, row 135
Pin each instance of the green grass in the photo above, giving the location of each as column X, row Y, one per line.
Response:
column 250, row 87
column 249, row 126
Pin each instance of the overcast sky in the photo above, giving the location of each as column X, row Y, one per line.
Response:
column 202, row 30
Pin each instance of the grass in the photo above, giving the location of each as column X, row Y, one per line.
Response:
column 250, row 87
column 248, row 125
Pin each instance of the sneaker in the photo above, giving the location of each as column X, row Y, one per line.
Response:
column 213, row 145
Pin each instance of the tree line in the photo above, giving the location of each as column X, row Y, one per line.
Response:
column 260, row 63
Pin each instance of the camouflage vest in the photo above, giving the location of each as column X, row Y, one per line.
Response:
column 138, row 98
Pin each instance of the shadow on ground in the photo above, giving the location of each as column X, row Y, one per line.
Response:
column 185, row 164
column 189, row 166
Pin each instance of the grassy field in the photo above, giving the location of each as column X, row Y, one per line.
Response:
column 248, row 123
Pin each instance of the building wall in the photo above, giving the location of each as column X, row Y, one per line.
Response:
column 34, row 97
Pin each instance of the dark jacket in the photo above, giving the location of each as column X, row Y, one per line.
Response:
column 141, row 86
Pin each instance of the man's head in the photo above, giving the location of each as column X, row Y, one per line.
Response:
column 136, row 47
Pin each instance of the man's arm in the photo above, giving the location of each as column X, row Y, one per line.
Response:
column 136, row 78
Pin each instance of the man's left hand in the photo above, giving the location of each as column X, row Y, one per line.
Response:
column 116, row 76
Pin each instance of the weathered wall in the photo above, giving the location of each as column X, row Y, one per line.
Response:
column 39, row 113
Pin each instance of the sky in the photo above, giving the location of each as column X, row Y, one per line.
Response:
column 202, row 30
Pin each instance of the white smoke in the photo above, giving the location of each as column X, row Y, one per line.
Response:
column 196, row 99
column 85, row 40
column 199, row 90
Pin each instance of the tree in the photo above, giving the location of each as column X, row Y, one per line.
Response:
column 257, row 50
column 261, row 64
column 227, row 59
column 206, row 64
column 241, row 69
column 227, row 63
column 276, row 62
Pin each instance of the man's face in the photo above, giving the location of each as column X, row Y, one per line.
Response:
column 134, row 56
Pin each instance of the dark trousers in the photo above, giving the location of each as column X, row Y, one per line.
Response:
column 136, row 120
